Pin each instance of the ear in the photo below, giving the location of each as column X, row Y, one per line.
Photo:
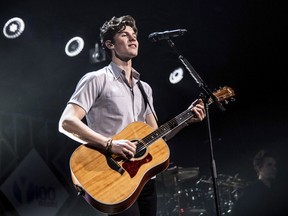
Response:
column 109, row 44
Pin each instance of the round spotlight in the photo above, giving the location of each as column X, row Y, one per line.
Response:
column 74, row 46
column 176, row 76
column 13, row 28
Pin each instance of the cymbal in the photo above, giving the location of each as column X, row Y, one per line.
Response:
column 182, row 173
column 227, row 181
column 187, row 173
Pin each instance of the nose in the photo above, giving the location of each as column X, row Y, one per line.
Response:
column 132, row 38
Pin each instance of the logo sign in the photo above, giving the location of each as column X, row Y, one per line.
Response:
column 33, row 189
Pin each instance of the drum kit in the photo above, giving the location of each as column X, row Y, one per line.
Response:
column 182, row 193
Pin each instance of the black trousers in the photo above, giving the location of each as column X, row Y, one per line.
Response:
column 146, row 204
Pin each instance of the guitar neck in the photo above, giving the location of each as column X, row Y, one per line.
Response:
column 223, row 94
column 168, row 127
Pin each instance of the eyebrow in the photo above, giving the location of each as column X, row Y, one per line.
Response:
column 124, row 31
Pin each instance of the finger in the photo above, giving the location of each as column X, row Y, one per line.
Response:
column 132, row 147
column 126, row 144
column 198, row 113
column 128, row 154
column 125, row 153
column 197, row 101
column 200, row 106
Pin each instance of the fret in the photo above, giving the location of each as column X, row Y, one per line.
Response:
column 167, row 127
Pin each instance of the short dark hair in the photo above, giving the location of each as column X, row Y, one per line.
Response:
column 259, row 158
column 113, row 26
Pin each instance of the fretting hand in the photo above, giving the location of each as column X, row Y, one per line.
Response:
column 197, row 107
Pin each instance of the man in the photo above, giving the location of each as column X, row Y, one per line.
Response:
column 261, row 197
column 110, row 99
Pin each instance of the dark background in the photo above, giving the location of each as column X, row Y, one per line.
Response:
column 240, row 44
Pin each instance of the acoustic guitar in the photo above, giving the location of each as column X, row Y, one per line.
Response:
column 111, row 184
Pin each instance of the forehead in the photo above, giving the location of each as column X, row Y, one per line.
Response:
column 127, row 29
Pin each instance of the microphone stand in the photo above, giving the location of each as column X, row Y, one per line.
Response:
column 209, row 93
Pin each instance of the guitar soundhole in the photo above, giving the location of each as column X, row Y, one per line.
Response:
column 140, row 149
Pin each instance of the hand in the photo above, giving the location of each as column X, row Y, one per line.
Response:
column 123, row 148
column 197, row 107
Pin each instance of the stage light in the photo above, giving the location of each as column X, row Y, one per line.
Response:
column 176, row 76
column 13, row 28
column 74, row 46
column 97, row 54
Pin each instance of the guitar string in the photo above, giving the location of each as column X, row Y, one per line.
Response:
column 172, row 124
column 176, row 119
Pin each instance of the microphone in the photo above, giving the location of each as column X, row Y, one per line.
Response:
column 157, row 36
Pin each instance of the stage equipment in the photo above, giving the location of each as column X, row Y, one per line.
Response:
column 97, row 54
column 176, row 76
column 206, row 95
column 13, row 28
column 74, row 46
column 156, row 36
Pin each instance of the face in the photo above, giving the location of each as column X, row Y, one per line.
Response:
column 269, row 169
column 125, row 46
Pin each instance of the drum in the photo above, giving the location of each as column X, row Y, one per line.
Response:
column 191, row 201
column 225, row 199
column 228, row 189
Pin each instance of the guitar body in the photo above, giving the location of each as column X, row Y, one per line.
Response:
column 111, row 184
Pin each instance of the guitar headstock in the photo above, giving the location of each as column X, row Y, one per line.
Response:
column 223, row 94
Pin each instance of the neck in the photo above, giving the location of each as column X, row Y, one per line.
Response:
column 124, row 62
column 124, row 65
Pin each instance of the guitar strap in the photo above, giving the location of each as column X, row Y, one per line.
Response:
column 145, row 98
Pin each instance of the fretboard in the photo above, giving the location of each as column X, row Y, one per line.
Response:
column 167, row 127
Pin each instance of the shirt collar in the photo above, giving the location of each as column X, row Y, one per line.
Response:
column 118, row 71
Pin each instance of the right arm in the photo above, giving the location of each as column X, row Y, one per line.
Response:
column 72, row 126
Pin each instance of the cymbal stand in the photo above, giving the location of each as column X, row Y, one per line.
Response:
column 164, row 195
column 176, row 210
column 208, row 94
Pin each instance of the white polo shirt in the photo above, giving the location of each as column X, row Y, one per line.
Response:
column 109, row 102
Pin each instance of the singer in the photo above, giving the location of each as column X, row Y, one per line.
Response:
column 110, row 99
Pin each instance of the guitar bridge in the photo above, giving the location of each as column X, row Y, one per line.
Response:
column 114, row 165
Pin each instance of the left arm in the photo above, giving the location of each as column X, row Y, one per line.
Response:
column 150, row 120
